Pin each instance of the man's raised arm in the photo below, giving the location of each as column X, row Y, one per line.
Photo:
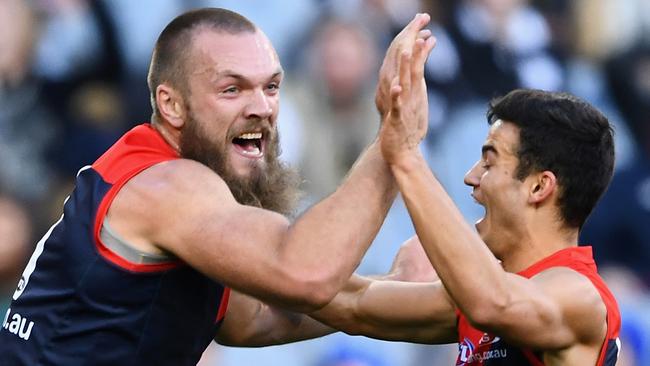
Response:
column 183, row 208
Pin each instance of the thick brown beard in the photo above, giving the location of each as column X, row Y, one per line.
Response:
column 274, row 188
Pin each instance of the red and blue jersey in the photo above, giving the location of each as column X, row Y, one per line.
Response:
column 478, row 348
column 79, row 303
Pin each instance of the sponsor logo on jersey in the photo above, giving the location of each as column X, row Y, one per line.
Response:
column 465, row 351
column 488, row 339
column 17, row 324
column 468, row 354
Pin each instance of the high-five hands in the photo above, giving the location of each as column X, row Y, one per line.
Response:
column 401, row 92
column 405, row 40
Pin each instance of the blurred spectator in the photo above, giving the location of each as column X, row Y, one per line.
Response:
column 502, row 44
column 136, row 26
column 95, row 121
column 17, row 34
column 382, row 18
column 70, row 42
column 26, row 126
column 335, row 100
column 285, row 22
column 15, row 244
column 618, row 227
column 608, row 27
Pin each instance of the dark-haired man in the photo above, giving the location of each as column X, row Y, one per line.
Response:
column 521, row 291
column 138, row 270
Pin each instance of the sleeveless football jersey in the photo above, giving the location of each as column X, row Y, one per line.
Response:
column 476, row 348
column 80, row 303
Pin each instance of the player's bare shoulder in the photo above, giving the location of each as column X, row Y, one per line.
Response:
column 172, row 183
column 180, row 176
column 163, row 195
column 580, row 302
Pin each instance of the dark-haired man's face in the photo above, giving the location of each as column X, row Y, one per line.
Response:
column 232, row 108
column 495, row 187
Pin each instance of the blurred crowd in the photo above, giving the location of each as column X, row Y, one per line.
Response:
column 73, row 79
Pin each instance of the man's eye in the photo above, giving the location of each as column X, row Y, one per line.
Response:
column 232, row 89
column 273, row 86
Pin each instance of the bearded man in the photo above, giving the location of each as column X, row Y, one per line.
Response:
column 139, row 268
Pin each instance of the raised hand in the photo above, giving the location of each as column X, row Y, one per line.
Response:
column 405, row 40
column 406, row 120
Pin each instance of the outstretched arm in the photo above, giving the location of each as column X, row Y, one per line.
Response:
column 251, row 323
column 407, row 304
column 365, row 306
column 392, row 310
column 183, row 208
column 554, row 310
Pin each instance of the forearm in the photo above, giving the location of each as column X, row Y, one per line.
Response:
column 299, row 265
column 355, row 312
column 448, row 240
column 390, row 310
column 340, row 228
column 252, row 323
column 331, row 237
column 279, row 326
column 342, row 312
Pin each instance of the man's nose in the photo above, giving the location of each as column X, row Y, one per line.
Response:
column 259, row 106
column 472, row 176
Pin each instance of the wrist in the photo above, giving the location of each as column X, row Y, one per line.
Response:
column 407, row 162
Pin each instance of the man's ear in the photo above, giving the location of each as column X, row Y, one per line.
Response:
column 543, row 185
column 170, row 104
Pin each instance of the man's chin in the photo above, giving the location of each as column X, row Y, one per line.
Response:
column 480, row 227
column 244, row 167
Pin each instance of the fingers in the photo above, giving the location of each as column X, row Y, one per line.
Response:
column 421, row 51
column 418, row 22
column 417, row 66
column 410, row 70
column 427, row 47
column 405, row 71
column 424, row 34
column 403, row 42
column 412, row 31
column 396, row 100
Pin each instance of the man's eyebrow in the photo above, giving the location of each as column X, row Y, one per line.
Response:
column 487, row 148
column 235, row 75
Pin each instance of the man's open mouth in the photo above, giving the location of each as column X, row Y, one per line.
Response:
column 250, row 144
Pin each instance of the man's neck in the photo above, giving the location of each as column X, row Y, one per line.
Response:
column 537, row 245
column 167, row 135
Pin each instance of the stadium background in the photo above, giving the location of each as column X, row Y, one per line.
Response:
column 72, row 80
